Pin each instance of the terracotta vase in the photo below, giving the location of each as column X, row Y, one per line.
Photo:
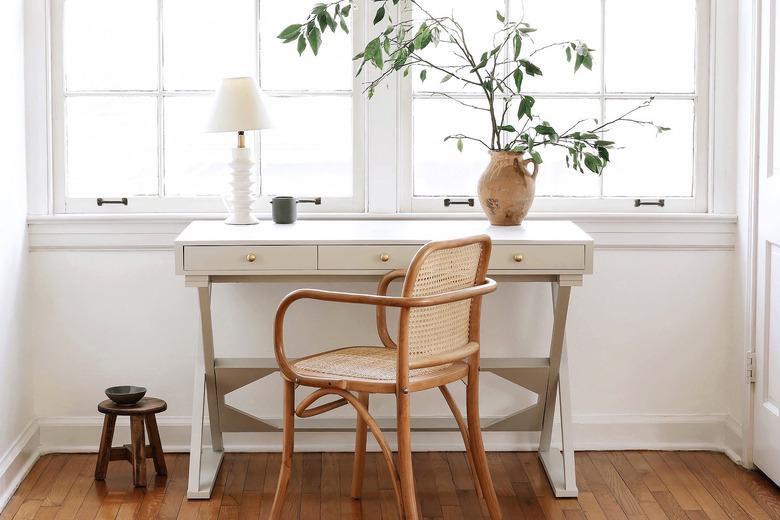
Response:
column 506, row 189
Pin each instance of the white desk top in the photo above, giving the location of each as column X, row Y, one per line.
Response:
column 379, row 232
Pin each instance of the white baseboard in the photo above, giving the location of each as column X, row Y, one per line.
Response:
column 716, row 432
column 17, row 461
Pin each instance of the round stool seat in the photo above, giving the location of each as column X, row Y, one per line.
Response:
column 146, row 406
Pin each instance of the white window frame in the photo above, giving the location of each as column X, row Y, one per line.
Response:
column 382, row 143
column 204, row 204
column 410, row 203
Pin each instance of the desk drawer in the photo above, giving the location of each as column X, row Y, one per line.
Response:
column 237, row 258
column 366, row 257
column 538, row 257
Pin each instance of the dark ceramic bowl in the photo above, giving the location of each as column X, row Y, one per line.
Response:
column 125, row 395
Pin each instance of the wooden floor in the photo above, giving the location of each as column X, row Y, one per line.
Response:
column 620, row 485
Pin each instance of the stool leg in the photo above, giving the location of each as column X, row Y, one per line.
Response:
column 138, row 445
column 156, row 444
column 104, row 455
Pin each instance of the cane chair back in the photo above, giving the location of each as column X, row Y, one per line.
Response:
column 440, row 267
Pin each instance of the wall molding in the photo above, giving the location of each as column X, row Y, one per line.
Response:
column 633, row 232
column 17, row 461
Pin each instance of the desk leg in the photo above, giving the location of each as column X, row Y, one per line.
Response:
column 559, row 466
column 204, row 461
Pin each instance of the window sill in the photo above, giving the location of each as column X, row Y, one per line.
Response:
column 611, row 231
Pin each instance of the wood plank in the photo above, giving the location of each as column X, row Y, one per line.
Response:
column 614, row 482
column 672, row 480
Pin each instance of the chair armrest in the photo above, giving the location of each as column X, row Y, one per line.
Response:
column 381, row 311
column 365, row 299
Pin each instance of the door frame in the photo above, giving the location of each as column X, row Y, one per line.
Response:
column 759, row 143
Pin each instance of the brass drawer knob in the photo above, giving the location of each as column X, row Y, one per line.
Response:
column 517, row 258
column 251, row 257
column 384, row 257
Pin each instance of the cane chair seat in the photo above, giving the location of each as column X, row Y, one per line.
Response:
column 355, row 367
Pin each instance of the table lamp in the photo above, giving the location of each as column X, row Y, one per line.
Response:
column 239, row 107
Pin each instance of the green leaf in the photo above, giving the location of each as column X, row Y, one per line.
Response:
column 423, row 75
column 587, row 61
column 661, row 129
column 568, row 54
column 315, row 39
column 380, row 14
column 301, row 44
column 460, row 145
column 446, row 78
column 604, row 144
column 507, row 128
column 322, row 20
column 593, row 163
column 343, row 25
column 536, row 157
column 530, row 68
column 518, row 43
column 291, row 31
column 604, row 154
column 500, row 17
column 526, row 30
column 526, row 104
column 517, row 75
column 545, row 129
column 423, row 37
column 345, row 9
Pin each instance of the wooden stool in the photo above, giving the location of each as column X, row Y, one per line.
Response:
column 137, row 451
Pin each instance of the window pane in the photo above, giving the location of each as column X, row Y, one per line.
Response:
column 196, row 162
column 112, row 146
column 560, row 21
column 555, row 179
column 650, row 45
column 439, row 169
column 206, row 41
column 650, row 165
column 309, row 153
column 479, row 24
column 110, row 44
column 281, row 67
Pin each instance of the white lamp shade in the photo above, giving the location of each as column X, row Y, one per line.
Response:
column 238, row 105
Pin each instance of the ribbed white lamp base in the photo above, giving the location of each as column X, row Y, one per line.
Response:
column 239, row 201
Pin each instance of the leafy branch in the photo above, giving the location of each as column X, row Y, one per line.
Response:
column 498, row 72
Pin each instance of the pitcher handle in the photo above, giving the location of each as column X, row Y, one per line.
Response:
column 536, row 167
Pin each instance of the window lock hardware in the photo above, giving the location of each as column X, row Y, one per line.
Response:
column 466, row 202
column 316, row 201
column 639, row 202
column 101, row 201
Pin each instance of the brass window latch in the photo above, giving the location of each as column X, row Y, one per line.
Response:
column 466, row 202
column 101, row 201
column 639, row 202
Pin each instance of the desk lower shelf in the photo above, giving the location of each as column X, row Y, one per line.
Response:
column 233, row 374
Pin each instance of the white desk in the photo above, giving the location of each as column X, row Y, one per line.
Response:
column 559, row 253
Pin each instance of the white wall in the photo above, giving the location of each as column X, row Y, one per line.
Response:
column 16, row 396
column 650, row 336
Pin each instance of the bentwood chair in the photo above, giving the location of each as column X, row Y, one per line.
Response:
column 438, row 343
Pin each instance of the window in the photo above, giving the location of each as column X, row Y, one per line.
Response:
column 132, row 81
column 132, row 89
column 631, row 65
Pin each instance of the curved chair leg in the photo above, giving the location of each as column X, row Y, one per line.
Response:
column 475, row 438
column 463, row 433
column 361, row 431
column 405, row 473
column 288, row 415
